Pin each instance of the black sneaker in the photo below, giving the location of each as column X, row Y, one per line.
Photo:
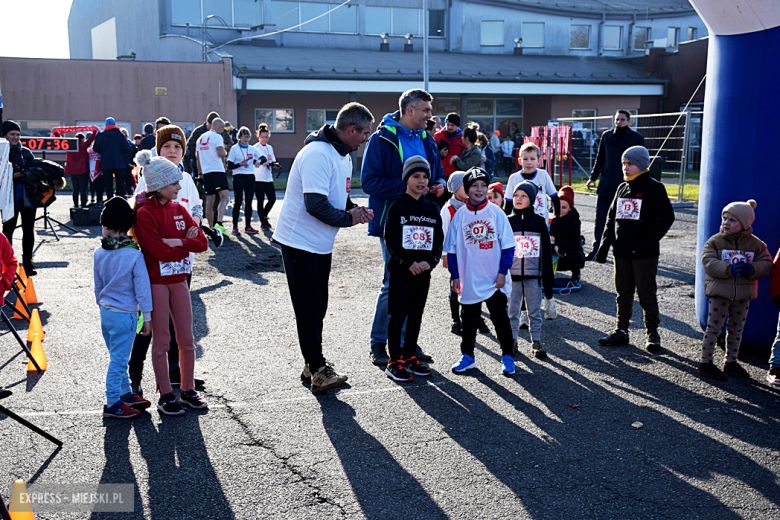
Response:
column 379, row 355
column 618, row 337
column 219, row 239
column 422, row 356
column 169, row 405
column 457, row 328
column 414, row 366
column 591, row 255
column 482, row 327
column 538, row 350
column 193, row 400
column 653, row 343
column 306, row 375
column 397, row 371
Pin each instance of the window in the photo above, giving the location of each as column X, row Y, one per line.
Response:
column 277, row 119
column 505, row 115
column 290, row 14
column 316, row 118
column 397, row 21
column 492, row 33
column 247, row 13
column 436, row 22
column 613, row 37
column 672, row 36
column 641, row 36
column 691, row 33
column 533, row 35
column 37, row 128
column 580, row 37
column 587, row 112
column 185, row 12
column 235, row 13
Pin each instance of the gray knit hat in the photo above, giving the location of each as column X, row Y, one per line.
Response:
column 639, row 156
column 159, row 172
column 455, row 181
column 415, row 164
column 529, row 188
column 743, row 212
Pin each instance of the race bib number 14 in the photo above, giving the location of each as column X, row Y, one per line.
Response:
column 526, row 246
column 628, row 209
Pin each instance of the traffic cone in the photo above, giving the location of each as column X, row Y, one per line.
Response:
column 19, row 312
column 29, row 294
column 38, row 355
column 36, row 327
column 21, row 273
column 20, row 508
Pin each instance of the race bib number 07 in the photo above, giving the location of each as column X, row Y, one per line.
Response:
column 527, row 246
column 733, row 256
column 174, row 268
column 479, row 232
column 628, row 209
column 418, row 238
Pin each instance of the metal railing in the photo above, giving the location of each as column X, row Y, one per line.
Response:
column 681, row 152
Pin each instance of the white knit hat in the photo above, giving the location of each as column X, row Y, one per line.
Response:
column 159, row 172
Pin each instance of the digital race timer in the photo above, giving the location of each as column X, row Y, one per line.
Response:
column 51, row 144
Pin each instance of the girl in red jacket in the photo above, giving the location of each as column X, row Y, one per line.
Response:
column 167, row 234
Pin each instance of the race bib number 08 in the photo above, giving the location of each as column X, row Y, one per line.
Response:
column 527, row 246
column 628, row 209
column 733, row 256
column 418, row 238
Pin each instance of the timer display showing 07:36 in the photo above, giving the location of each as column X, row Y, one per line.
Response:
column 51, row 144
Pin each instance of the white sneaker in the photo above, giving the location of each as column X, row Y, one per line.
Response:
column 525, row 322
column 549, row 309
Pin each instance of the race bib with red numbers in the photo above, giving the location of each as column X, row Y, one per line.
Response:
column 733, row 256
column 418, row 238
column 527, row 246
column 479, row 232
column 628, row 209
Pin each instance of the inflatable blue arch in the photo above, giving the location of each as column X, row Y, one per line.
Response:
column 741, row 136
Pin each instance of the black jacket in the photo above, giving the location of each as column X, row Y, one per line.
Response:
column 567, row 232
column 637, row 238
column 149, row 142
column 413, row 233
column 114, row 149
column 609, row 162
column 526, row 223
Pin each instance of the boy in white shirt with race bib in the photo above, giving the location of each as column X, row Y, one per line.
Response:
column 480, row 248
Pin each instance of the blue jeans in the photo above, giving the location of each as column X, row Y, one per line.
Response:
column 774, row 358
column 119, row 332
column 381, row 317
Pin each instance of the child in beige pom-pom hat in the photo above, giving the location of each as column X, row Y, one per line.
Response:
column 733, row 260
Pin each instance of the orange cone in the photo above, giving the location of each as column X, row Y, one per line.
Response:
column 20, row 508
column 38, row 355
column 19, row 312
column 36, row 327
column 29, row 293
column 21, row 273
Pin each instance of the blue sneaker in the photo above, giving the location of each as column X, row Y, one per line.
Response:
column 466, row 362
column 508, row 365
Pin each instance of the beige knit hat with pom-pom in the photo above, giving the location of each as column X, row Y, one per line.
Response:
column 742, row 211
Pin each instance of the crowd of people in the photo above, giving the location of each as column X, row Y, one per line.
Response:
column 431, row 199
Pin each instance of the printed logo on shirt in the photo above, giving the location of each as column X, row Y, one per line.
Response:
column 734, row 256
column 479, row 232
column 539, row 206
column 173, row 268
column 628, row 209
column 418, row 238
column 527, row 246
column 204, row 145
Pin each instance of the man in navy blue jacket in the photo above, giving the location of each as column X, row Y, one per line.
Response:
column 115, row 153
column 400, row 135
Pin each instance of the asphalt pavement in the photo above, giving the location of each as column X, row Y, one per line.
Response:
column 561, row 439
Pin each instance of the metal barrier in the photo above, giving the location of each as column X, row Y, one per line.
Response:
column 681, row 153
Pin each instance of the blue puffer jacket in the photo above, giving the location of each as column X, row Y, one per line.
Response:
column 114, row 148
column 383, row 164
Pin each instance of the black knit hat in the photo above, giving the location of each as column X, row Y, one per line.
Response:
column 117, row 214
column 473, row 175
column 9, row 126
column 453, row 118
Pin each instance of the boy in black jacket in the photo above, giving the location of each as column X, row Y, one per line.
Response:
column 414, row 238
column 532, row 266
column 566, row 236
column 639, row 217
